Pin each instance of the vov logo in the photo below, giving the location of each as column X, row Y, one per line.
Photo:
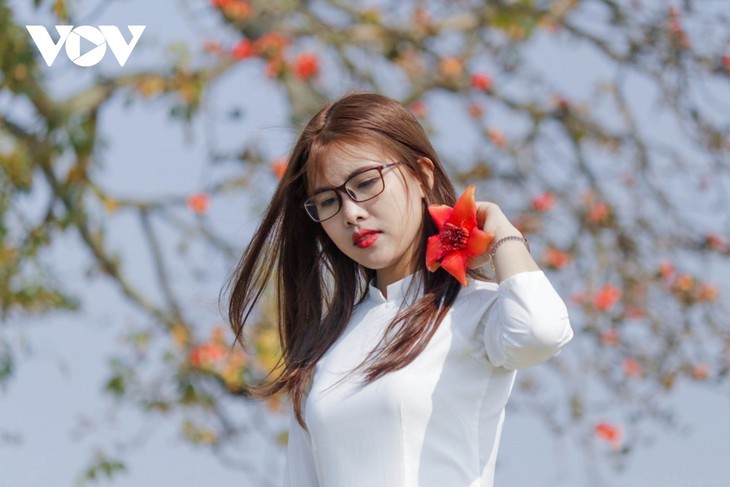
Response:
column 71, row 36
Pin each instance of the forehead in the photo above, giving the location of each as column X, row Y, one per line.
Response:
column 334, row 164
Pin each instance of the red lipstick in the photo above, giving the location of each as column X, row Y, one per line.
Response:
column 365, row 238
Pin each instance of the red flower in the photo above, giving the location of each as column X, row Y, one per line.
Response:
column 666, row 270
column 715, row 242
column 555, row 257
column 244, row 49
column 598, row 212
column 632, row 367
column 204, row 355
column 606, row 297
column 707, row 292
column 418, row 108
column 459, row 236
column 610, row 433
column 271, row 44
column 278, row 166
column 198, row 202
column 543, row 202
column 306, row 65
column 237, row 10
column 274, row 66
column 497, row 137
column 481, row 81
column 700, row 371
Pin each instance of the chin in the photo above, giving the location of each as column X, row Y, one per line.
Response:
column 373, row 264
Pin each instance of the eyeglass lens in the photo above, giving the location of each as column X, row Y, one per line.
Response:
column 360, row 187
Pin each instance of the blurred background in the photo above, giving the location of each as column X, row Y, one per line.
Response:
column 129, row 192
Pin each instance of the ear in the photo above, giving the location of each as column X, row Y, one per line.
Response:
column 427, row 169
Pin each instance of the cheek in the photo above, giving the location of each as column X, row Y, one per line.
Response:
column 412, row 207
column 334, row 236
column 326, row 229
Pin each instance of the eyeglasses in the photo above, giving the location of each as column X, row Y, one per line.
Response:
column 362, row 186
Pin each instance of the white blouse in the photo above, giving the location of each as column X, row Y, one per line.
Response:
column 438, row 421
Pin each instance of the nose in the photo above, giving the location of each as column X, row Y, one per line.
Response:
column 351, row 210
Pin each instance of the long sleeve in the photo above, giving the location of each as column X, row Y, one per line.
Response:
column 299, row 469
column 528, row 322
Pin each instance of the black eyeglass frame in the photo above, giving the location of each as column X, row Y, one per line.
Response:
column 342, row 188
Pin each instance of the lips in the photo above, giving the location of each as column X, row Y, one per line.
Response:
column 360, row 235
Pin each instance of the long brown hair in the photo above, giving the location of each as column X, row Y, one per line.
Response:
column 318, row 286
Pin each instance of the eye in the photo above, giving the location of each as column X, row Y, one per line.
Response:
column 327, row 202
column 366, row 184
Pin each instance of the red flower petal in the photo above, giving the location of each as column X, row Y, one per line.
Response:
column 434, row 252
column 440, row 214
column 455, row 264
column 465, row 212
column 479, row 240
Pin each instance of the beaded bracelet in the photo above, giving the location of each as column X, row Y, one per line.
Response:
column 499, row 242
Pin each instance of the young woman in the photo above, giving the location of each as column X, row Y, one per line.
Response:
column 398, row 375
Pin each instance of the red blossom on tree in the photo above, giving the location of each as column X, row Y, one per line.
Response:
column 700, row 371
column 666, row 270
column 632, row 368
column 497, row 137
column 481, row 81
column 556, row 258
column 543, row 202
column 707, row 292
column 198, row 202
column 306, row 65
column 610, row 433
column 271, row 44
column 598, row 212
column 206, row 354
column 243, row 49
column 233, row 9
column 715, row 242
column 606, row 297
column 418, row 108
column 275, row 66
column 278, row 166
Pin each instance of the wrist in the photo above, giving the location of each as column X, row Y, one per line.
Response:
column 505, row 238
column 502, row 232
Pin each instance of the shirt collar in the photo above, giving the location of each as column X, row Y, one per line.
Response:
column 395, row 291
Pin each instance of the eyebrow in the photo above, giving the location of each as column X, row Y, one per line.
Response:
column 362, row 169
